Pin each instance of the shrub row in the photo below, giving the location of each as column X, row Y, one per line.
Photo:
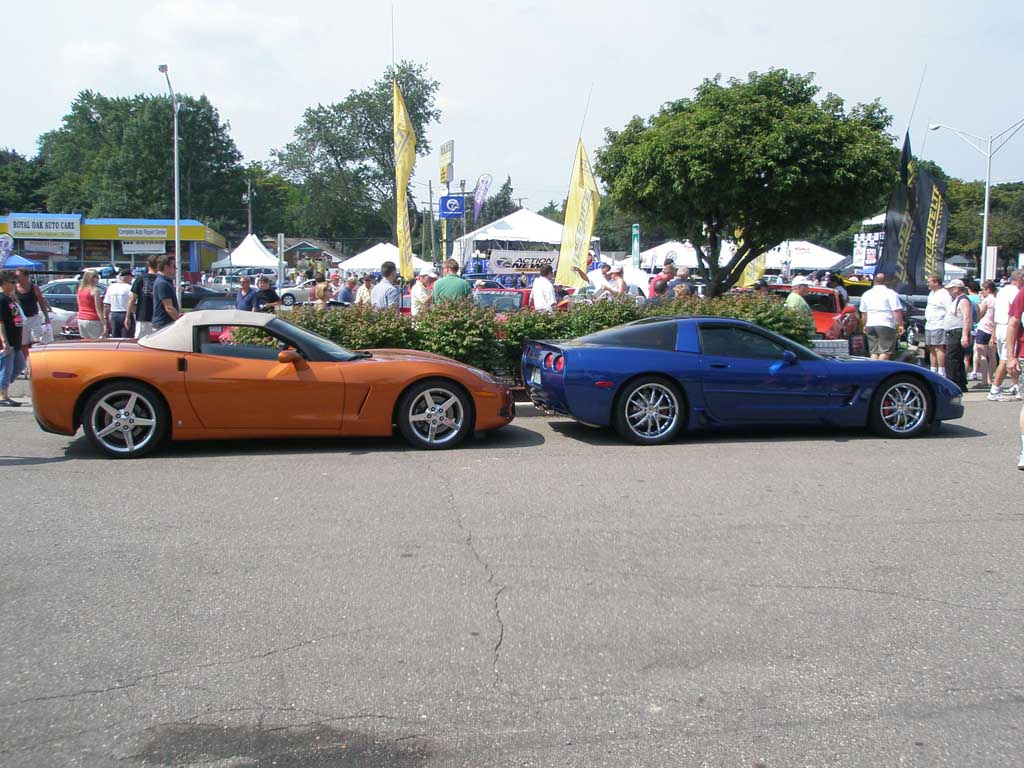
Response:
column 476, row 336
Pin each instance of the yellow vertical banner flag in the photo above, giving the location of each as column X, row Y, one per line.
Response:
column 753, row 272
column 580, row 215
column 405, row 157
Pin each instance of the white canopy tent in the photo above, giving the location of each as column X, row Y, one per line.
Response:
column 249, row 253
column 371, row 259
column 522, row 226
column 802, row 255
column 682, row 253
column 874, row 221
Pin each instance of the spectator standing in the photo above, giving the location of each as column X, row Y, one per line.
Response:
column 165, row 298
column 660, row 291
column 796, row 301
column 616, row 282
column 1004, row 299
column 246, row 296
column 266, row 299
column 140, row 302
column 363, row 294
column 420, row 295
column 347, row 292
column 451, row 287
column 984, row 348
column 115, row 302
column 1014, row 350
column 12, row 358
column 958, row 328
column 761, row 289
column 668, row 274
column 385, row 294
column 835, row 282
column 883, row 319
column 598, row 279
column 34, row 307
column 682, row 278
column 90, row 304
column 935, row 311
column 542, row 297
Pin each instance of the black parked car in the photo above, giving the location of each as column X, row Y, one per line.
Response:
column 191, row 295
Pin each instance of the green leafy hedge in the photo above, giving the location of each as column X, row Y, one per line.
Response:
column 474, row 335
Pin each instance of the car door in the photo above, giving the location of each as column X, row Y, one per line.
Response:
column 746, row 376
column 244, row 387
column 61, row 295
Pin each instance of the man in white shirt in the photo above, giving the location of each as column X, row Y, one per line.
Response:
column 939, row 305
column 598, row 279
column 883, row 322
column 1004, row 298
column 543, row 294
column 115, row 302
column 420, row 294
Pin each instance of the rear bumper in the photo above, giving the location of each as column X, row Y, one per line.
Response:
column 543, row 401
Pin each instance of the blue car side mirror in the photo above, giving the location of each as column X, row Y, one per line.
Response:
column 788, row 358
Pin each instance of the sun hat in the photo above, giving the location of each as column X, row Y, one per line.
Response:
column 617, row 268
column 955, row 284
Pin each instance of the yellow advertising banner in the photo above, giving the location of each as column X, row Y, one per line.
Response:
column 580, row 215
column 405, row 157
column 753, row 272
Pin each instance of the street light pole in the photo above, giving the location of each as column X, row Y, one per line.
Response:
column 177, row 189
column 984, row 147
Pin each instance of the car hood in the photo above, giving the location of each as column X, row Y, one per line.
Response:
column 941, row 384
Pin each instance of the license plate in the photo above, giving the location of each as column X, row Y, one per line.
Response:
column 535, row 376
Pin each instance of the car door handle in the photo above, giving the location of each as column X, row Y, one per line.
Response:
column 719, row 365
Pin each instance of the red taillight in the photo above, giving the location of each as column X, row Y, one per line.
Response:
column 548, row 359
column 559, row 364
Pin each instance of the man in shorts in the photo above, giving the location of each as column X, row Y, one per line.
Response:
column 1004, row 298
column 1014, row 350
column 939, row 305
column 883, row 319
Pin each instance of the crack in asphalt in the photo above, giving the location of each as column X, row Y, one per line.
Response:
column 496, row 606
column 134, row 682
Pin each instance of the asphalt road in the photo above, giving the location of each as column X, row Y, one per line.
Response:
column 543, row 597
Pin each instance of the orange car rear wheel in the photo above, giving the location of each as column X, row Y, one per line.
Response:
column 435, row 413
column 125, row 419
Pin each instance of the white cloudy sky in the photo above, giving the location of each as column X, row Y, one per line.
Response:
column 515, row 74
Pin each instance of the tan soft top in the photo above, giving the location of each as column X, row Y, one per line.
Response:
column 177, row 337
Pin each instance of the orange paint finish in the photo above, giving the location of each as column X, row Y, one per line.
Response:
column 217, row 397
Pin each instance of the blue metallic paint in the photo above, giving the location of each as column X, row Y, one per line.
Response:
column 724, row 391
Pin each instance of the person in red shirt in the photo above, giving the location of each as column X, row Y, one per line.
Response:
column 1013, row 354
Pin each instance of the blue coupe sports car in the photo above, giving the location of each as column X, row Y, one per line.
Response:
column 654, row 377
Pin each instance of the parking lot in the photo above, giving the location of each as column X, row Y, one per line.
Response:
column 544, row 596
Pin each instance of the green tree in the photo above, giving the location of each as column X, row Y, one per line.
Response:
column 271, row 198
column 114, row 157
column 21, row 183
column 759, row 161
column 342, row 156
column 554, row 212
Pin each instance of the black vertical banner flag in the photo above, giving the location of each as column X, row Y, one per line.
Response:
column 916, row 222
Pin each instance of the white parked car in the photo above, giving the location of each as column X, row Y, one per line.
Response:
column 297, row 293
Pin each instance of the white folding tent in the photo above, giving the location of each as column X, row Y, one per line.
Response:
column 802, row 255
column 249, row 253
column 682, row 253
column 371, row 259
column 522, row 226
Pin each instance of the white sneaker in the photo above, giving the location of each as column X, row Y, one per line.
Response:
column 1015, row 393
column 997, row 397
column 1020, row 461
column 974, row 377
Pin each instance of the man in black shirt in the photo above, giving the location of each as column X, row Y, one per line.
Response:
column 140, row 303
column 165, row 298
column 12, row 359
column 266, row 297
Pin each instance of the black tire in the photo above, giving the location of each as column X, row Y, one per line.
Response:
column 125, row 419
column 902, row 407
column 288, row 299
column 644, row 424
column 445, row 427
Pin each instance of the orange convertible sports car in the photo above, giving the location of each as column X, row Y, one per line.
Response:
column 129, row 396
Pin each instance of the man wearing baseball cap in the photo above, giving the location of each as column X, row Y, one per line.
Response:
column 957, row 326
column 796, row 300
column 420, row 296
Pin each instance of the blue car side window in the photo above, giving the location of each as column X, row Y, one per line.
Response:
column 731, row 341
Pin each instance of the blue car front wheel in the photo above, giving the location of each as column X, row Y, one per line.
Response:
column 902, row 407
column 649, row 411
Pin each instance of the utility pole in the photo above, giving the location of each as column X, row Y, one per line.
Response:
column 520, row 200
column 423, row 235
column 433, row 245
column 248, row 200
column 462, row 189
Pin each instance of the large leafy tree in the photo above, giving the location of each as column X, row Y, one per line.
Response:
column 21, row 182
column 114, row 157
column 342, row 157
column 756, row 161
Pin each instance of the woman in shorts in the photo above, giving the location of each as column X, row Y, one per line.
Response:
column 984, row 343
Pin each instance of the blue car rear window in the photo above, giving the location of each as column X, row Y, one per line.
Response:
column 648, row 336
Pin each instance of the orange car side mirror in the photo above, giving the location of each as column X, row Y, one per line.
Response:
column 291, row 356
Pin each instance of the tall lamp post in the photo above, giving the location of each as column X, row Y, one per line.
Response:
column 177, row 189
column 987, row 147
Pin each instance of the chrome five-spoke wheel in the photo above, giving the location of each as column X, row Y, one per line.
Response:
column 434, row 415
column 124, row 421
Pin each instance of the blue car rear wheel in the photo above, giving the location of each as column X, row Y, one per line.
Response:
column 649, row 411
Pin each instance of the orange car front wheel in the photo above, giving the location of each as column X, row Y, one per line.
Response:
column 435, row 413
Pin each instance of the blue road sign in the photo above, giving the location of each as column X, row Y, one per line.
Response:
column 451, row 207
